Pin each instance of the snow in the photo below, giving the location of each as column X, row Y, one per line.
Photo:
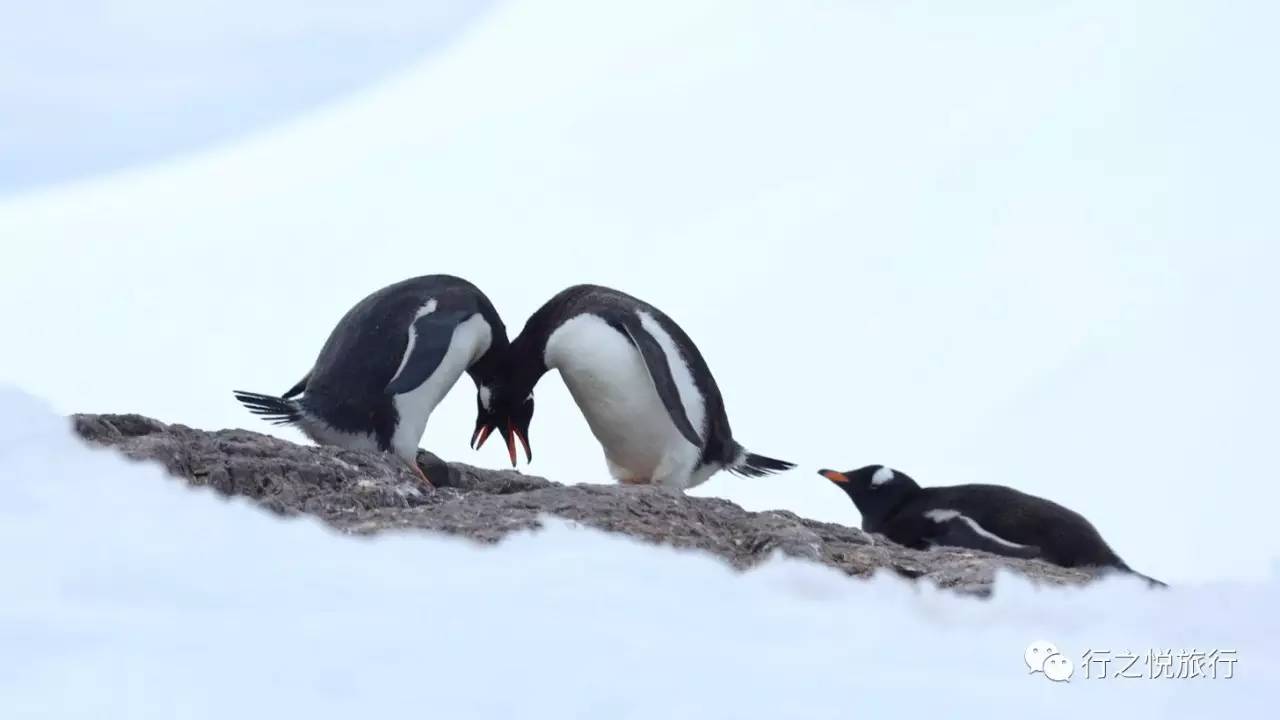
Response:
column 129, row 595
column 111, row 83
column 1021, row 243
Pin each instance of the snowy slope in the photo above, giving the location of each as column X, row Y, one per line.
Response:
column 1023, row 243
column 96, row 85
column 128, row 595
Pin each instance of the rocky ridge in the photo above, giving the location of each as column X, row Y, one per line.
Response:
column 366, row 493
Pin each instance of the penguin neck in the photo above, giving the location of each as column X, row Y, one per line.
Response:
column 525, row 362
column 879, row 504
column 485, row 370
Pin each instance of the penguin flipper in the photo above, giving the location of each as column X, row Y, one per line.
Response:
column 962, row 531
column 429, row 339
column 660, row 372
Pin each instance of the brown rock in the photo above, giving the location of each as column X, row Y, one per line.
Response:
column 364, row 493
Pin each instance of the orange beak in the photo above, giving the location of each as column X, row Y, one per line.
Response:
column 833, row 476
column 511, row 443
column 528, row 454
column 483, row 434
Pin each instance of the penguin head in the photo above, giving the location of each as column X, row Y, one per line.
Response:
column 504, row 402
column 499, row 410
column 872, row 486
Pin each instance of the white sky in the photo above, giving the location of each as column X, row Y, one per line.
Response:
column 1019, row 243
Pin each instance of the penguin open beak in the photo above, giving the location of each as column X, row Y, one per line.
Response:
column 528, row 454
column 833, row 476
column 482, row 433
column 511, row 442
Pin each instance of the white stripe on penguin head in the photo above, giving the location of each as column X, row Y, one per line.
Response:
column 882, row 476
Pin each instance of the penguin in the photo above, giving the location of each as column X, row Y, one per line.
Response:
column 646, row 393
column 388, row 363
column 992, row 518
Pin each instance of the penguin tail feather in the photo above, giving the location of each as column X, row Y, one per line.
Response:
column 274, row 410
column 1122, row 565
column 1150, row 580
column 752, row 465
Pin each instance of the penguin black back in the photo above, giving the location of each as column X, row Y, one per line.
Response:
column 366, row 346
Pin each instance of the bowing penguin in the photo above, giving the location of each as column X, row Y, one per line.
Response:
column 388, row 363
column 993, row 518
column 647, row 394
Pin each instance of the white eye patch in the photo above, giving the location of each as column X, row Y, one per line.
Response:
column 882, row 476
column 485, row 396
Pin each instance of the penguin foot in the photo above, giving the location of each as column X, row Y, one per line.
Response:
column 418, row 471
column 635, row 481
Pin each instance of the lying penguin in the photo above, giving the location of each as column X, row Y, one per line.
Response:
column 647, row 394
column 388, row 363
column 992, row 518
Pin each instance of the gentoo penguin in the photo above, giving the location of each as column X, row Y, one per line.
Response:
column 388, row 363
column 644, row 388
column 993, row 518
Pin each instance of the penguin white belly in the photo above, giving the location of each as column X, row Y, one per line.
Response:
column 323, row 434
column 610, row 383
column 470, row 340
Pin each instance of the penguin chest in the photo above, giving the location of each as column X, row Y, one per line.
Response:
column 610, row 383
column 470, row 340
